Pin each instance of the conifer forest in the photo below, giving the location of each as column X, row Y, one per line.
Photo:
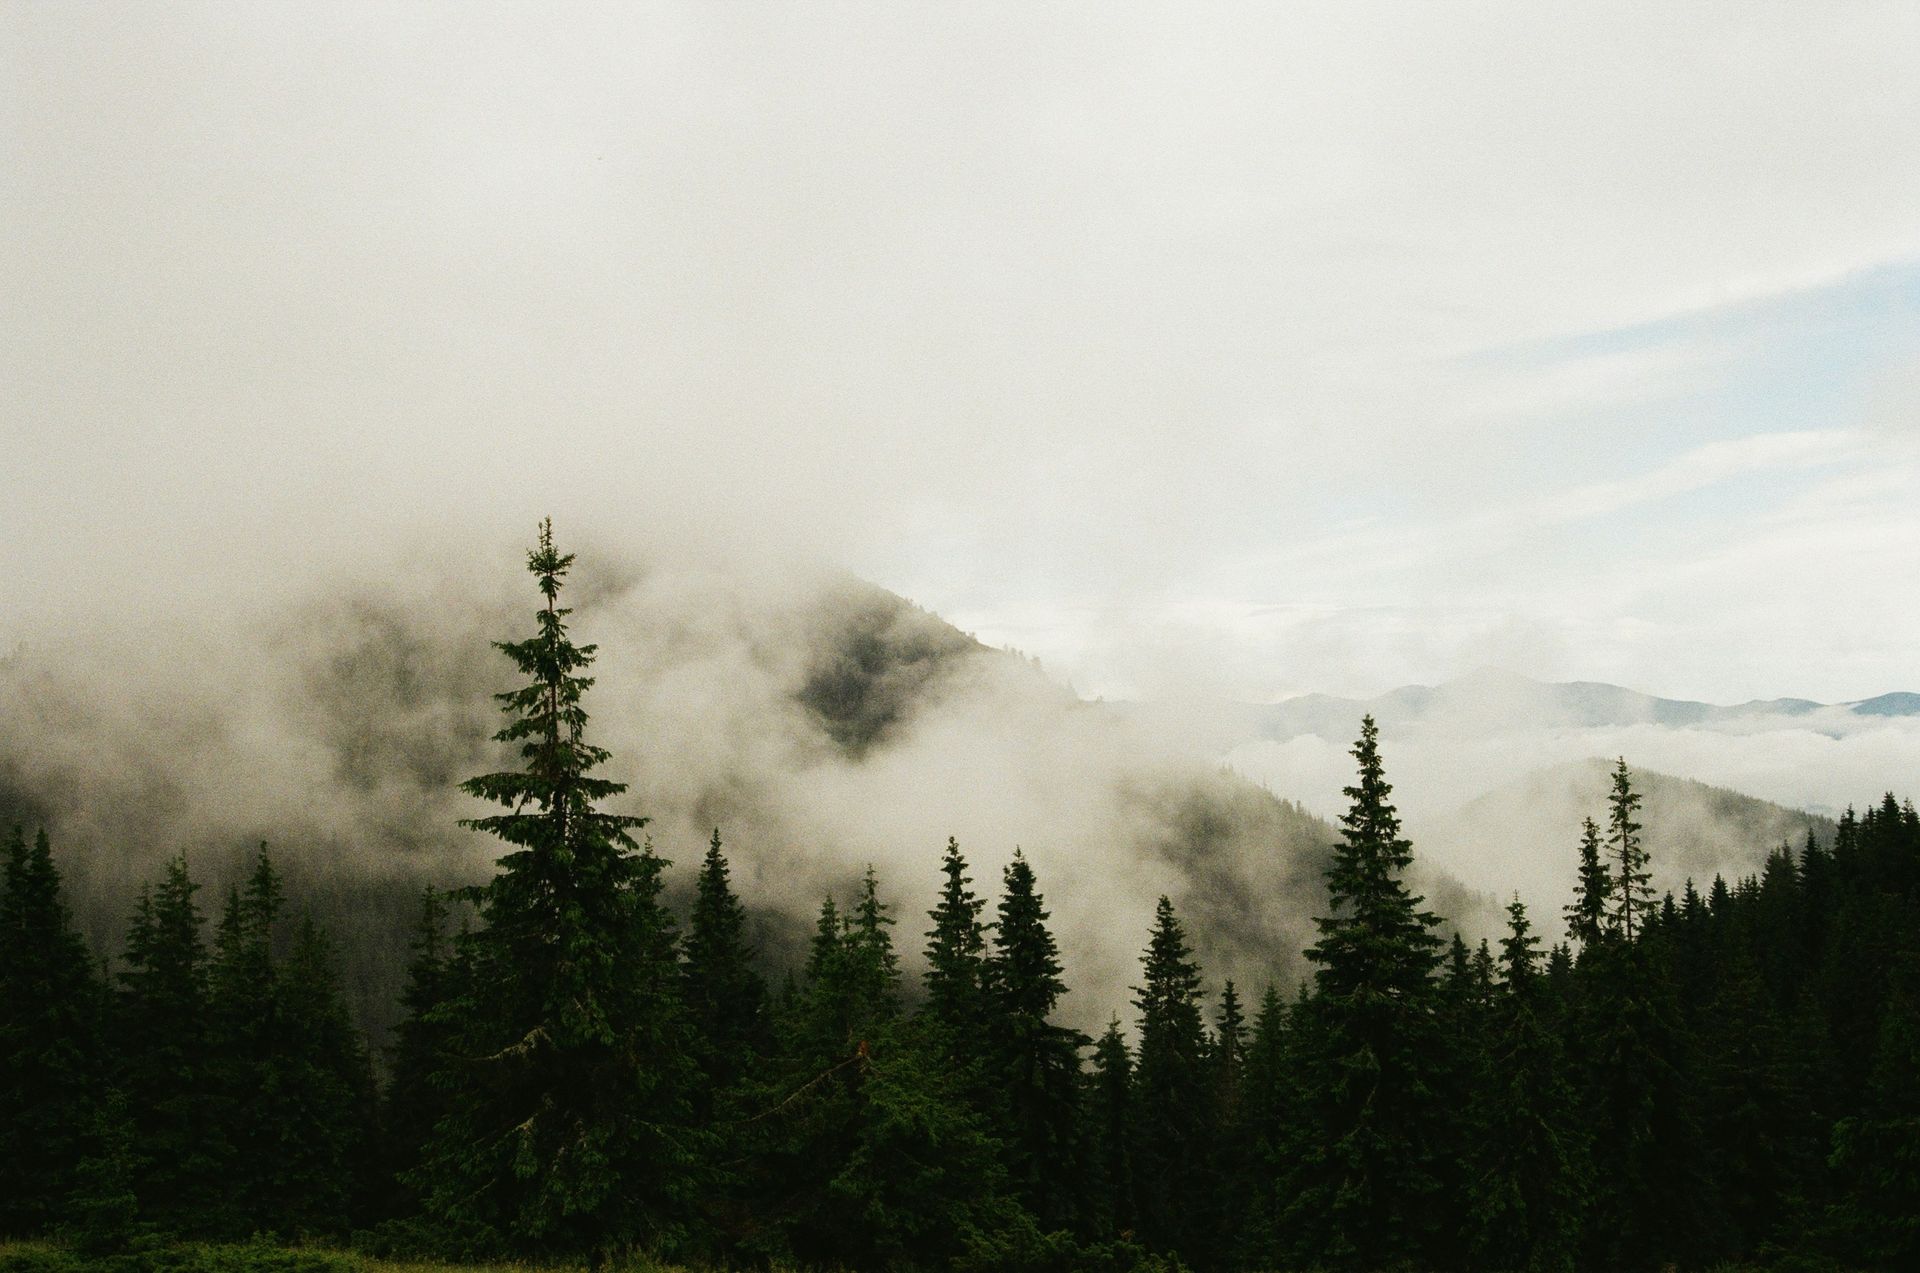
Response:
column 1729, row 1077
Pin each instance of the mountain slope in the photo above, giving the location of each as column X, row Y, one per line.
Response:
column 1491, row 699
column 820, row 722
column 1523, row 835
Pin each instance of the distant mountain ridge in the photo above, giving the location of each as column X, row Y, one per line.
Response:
column 1522, row 835
column 1486, row 698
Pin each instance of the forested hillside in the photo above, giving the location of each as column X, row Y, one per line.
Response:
column 1729, row 1072
column 823, row 722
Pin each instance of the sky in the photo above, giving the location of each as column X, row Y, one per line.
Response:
column 1200, row 351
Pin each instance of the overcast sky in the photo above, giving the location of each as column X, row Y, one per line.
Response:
column 1197, row 350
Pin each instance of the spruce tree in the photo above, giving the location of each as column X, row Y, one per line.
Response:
column 1108, row 1116
column 1267, row 1128
column 726, row 999
column 160, row 1025
column 1033, row 1064
column 1172, row 1127
column 1632, row 893
column 242, row 1034
column 1876, row 1153
column 956, row 954
column 1650, row 1184
column 414, row 1100
column 1367, row 1192
column 864, row 1150
column 1527, row 1184
column 1593, row 889
column 49, row 1041
column 324, row 1101
column 569, row 1122
column 292, row 1089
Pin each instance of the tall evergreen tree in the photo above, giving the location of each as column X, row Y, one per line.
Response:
column 1033, row 1064
column 956, row 953
column 1267, row 1128
column 415, row 1102
column 569, row 1120
column 290, row 1078
column 1527, row 1186
column 1593, row 889
column 1632, row 891
column 1649, row 1181
column 49, row 1041
column 1108, row 1114
column 726, row 999
column 1172, row 1127
column 160, row 1032
column 1876, row 1153
column 325, row 1100
column 1367, row 1195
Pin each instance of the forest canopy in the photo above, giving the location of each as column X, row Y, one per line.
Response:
column 1732, row 1073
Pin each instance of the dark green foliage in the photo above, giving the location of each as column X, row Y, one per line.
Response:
column 1032, row 1064
column 1108, row 1115
column 1172, row 1109
column 414, row 1102
column 160, row 1032
column 290, row 1079
column 956, row 952
column 568, row 1126
column 1366, row 1190
column 1650, row 1185
column 1631, row 894
column 726, row 999
column 1876, row 1153
column 1719, row 1079
column 50, row 1007
column 861, row 1145
column 1592, row 890
column 1526, row 1186
column 103, row 1212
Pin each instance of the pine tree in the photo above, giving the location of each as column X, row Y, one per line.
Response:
column 1632, row 892
column 1367, row 1193
column 864, row 1150
column 160, row 1025
column 1650, row 1184
column 1172, row 1126
column 1108, row 1117
column 49, row 1032
column 569, row 1122
column 873, row 968
column 324, row 1102
column 1528, row 1176
column 1229, row 1050
column 956, row 954
column 1033, row 1064
column 726, row 999
column 104, row 1210
column 1876, row 1153
column 243, row 1045
column 292, row 1087
column 414, row 1102
column 1267, row 1128
column 1587, row 913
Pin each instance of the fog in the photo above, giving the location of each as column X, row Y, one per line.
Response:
column 821, row 723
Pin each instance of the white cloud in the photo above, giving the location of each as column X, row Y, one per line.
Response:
column 1118, row 319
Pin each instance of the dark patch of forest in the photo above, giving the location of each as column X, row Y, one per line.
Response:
column 1730, row 1074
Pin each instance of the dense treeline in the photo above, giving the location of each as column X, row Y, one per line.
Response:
column 1727, row 1075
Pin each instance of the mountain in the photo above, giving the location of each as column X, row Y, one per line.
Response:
column 822, row 723
column 1494, row 699
column 1523, row 834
